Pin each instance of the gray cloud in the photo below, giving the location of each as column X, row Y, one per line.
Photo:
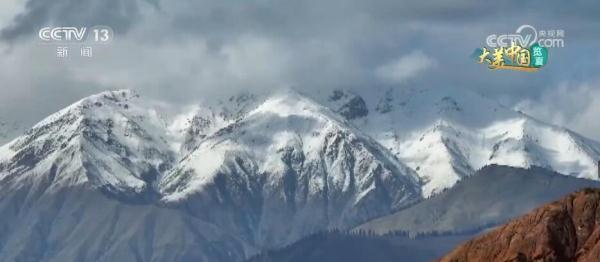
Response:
column 118, row 14
column 187, row 50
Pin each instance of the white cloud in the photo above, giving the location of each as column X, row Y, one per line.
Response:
column 405, row 67
column 574, row 106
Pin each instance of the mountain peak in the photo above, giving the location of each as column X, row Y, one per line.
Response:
column 109, row 141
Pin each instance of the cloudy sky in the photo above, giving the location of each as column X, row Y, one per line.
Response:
column 192, row 49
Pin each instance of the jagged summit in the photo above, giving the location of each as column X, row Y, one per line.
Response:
column 446, row 134
column 286, row 121
column 441, row 134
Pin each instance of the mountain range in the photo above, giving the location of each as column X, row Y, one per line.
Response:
column 115, row 176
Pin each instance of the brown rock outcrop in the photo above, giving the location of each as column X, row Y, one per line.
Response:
column 565, row 230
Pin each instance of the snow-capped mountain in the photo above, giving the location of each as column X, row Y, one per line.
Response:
column 267, row 173
column 107, row 141
column 441, row 134
column 446, row 134
column 256, row 171
column 290, row 167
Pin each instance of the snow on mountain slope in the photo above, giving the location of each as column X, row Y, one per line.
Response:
column 106, row 140
column 289, row 168
column 447, row 133
column 205, row 119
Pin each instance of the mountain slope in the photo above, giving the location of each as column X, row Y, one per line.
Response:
column 206, row 119
column 490, row 197
column 288, row 168
column 565, row 230
column 344, row 247
column 81, row 224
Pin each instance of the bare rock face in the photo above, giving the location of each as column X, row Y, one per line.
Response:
column 347, row 104
column 565, row 230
